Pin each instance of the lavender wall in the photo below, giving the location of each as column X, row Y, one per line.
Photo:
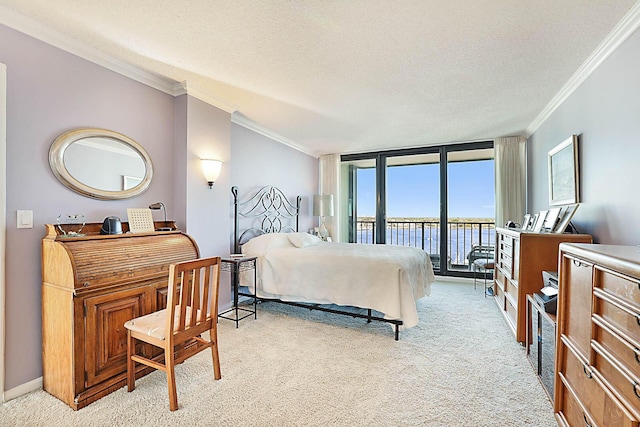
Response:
column 49, row 92
column 258, row 161
column 605, row 112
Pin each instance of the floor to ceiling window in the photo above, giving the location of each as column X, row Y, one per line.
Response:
column 440, row 199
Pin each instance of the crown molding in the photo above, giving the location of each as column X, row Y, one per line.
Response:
column 38, row 31
column 620, row 33
column 184, row 87
column 246, row 123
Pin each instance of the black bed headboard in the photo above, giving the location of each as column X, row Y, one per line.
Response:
column 266, row 211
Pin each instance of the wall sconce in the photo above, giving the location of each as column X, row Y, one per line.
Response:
column 157, row 206
column 323, row 206
column 211, row 169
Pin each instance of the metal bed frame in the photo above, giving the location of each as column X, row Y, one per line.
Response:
column 269, row 211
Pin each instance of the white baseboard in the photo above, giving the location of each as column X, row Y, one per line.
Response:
column 22, row 389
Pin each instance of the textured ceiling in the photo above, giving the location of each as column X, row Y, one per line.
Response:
column 332, row 76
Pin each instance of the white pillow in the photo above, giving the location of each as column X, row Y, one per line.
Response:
column 259, row 245
column 303, row 240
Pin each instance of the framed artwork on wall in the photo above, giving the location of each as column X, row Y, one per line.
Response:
column 563, row 172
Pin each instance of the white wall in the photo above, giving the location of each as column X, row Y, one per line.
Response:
column 605, row 112
column 258, row 161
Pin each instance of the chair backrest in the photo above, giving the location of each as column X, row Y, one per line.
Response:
column 192, row 300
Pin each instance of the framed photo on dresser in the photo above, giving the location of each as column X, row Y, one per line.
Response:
column 565, row 218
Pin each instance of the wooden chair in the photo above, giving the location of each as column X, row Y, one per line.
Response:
column 192, row 309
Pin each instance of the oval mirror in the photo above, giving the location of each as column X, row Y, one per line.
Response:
column 100, row 163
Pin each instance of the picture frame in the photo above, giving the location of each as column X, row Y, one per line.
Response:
column 565, row 219
column 551, row 220
column 532, row 222
column 525, row 222
column 537, row 226
column 563, row 173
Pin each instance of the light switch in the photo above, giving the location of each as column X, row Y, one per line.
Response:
column 25, row 219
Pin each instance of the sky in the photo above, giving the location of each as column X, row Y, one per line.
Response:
column 413, row 191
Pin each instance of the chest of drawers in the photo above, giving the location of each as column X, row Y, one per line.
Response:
column 597, row 379
column 521, row 258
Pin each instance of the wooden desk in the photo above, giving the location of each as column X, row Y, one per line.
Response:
column 91, row 286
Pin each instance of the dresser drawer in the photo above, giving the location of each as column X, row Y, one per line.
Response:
column 600, row 406
column 624, row 287
column 623, row 382
column 500, row 279
column 618, row 312
column 511, row 288
column 571, row 413
column 512, row 311
column 506, row 241
column 626, row 352
column 576, row 282
column 505, row 263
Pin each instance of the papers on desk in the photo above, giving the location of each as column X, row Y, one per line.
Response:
column 549, row 291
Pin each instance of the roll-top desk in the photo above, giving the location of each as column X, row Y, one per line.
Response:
column 597, row 379
column 91, row 286
column 521, row 257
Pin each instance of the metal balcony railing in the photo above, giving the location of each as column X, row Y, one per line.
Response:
column 462, row 236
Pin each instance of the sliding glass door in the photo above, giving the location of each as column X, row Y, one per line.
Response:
column 413, row 202
column 470, row 207
column 440, row 199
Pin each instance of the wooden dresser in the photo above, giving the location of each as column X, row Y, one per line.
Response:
column 91, row 285
column 597, row 379
column 521, row 257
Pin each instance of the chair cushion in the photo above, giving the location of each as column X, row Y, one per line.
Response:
column 486, row 264
column 154, row 324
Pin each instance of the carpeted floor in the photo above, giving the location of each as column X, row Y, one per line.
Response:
column 292, row 367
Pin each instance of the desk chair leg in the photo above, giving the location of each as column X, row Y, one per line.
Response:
column 171, row 378
column 213, row 338
column 131, row 364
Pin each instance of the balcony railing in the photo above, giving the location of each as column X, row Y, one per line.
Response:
column 462, row 236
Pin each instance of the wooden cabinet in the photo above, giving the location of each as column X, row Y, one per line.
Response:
column 597, row 375
column 521, row 257
column 91, row 286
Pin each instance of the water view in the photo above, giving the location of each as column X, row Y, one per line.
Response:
column 463, row 235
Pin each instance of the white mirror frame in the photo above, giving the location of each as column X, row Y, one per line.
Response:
column 56, row 161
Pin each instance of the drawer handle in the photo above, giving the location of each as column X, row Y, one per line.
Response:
column 577, row 263
column 635, row 389
column 636, row 353
column 638, row 319
column 587, row 371
column 586, row 421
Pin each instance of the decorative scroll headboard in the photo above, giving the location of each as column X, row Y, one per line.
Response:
column 267, row 211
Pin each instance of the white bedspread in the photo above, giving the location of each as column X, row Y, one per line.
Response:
column 386, row 278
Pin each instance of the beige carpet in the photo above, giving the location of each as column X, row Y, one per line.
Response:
column 292, row 367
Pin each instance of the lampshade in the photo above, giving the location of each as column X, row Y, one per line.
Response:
column 323, row 205
column 211, row 169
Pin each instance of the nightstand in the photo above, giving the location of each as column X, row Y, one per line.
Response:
column 235, row 265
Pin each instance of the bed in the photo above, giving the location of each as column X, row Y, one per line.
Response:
column 374, row 282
